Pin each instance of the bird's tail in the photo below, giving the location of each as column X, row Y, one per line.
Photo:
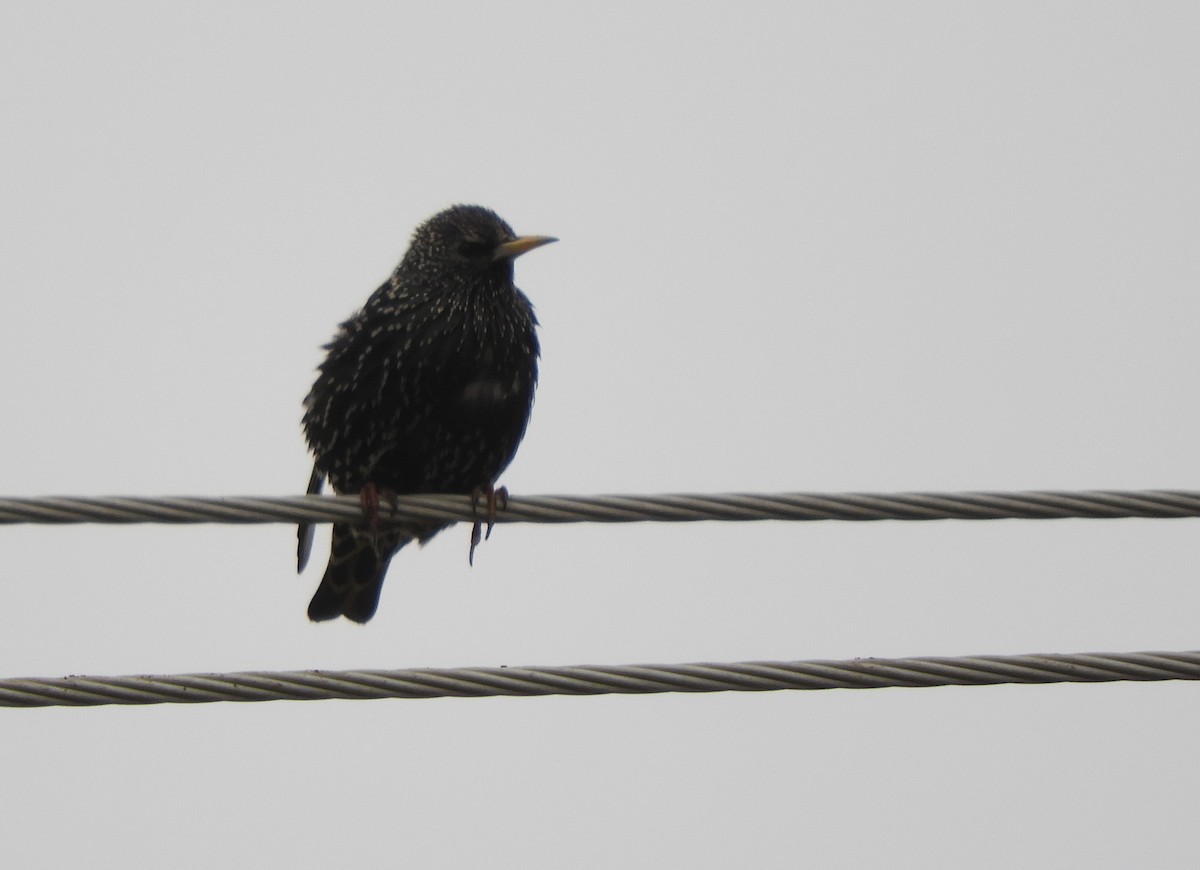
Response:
column 358, row 562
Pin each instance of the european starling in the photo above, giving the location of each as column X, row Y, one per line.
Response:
column 427, row 389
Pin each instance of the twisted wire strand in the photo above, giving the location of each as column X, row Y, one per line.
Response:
column 732, row 507
column 599, row 680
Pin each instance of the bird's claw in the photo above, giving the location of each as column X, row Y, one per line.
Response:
column 492, row 496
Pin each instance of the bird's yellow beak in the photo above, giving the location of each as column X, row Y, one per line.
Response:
column 520, row 245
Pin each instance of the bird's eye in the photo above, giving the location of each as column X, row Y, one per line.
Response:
column 475, row 250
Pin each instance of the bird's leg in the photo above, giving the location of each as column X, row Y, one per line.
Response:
column 491, row 495
column 369, row 497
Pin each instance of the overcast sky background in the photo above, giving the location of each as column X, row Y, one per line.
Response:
column 818, row 247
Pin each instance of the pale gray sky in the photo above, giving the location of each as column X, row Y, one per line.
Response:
column 804, row 247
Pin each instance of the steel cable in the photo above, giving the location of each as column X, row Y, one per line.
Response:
column 597, row 680
column 732, row 507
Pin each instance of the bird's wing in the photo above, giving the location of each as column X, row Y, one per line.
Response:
column 305, row 531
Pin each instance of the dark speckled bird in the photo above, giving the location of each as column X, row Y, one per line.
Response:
column 427, row 389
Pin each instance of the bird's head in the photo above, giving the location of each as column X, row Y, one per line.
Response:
column 468, row 238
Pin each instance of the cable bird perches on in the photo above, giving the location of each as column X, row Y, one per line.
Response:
column 730, row 507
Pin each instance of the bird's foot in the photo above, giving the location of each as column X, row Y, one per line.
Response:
column 492, row 497
column 369, row 497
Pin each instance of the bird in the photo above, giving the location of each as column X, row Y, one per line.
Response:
column 428, row 388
